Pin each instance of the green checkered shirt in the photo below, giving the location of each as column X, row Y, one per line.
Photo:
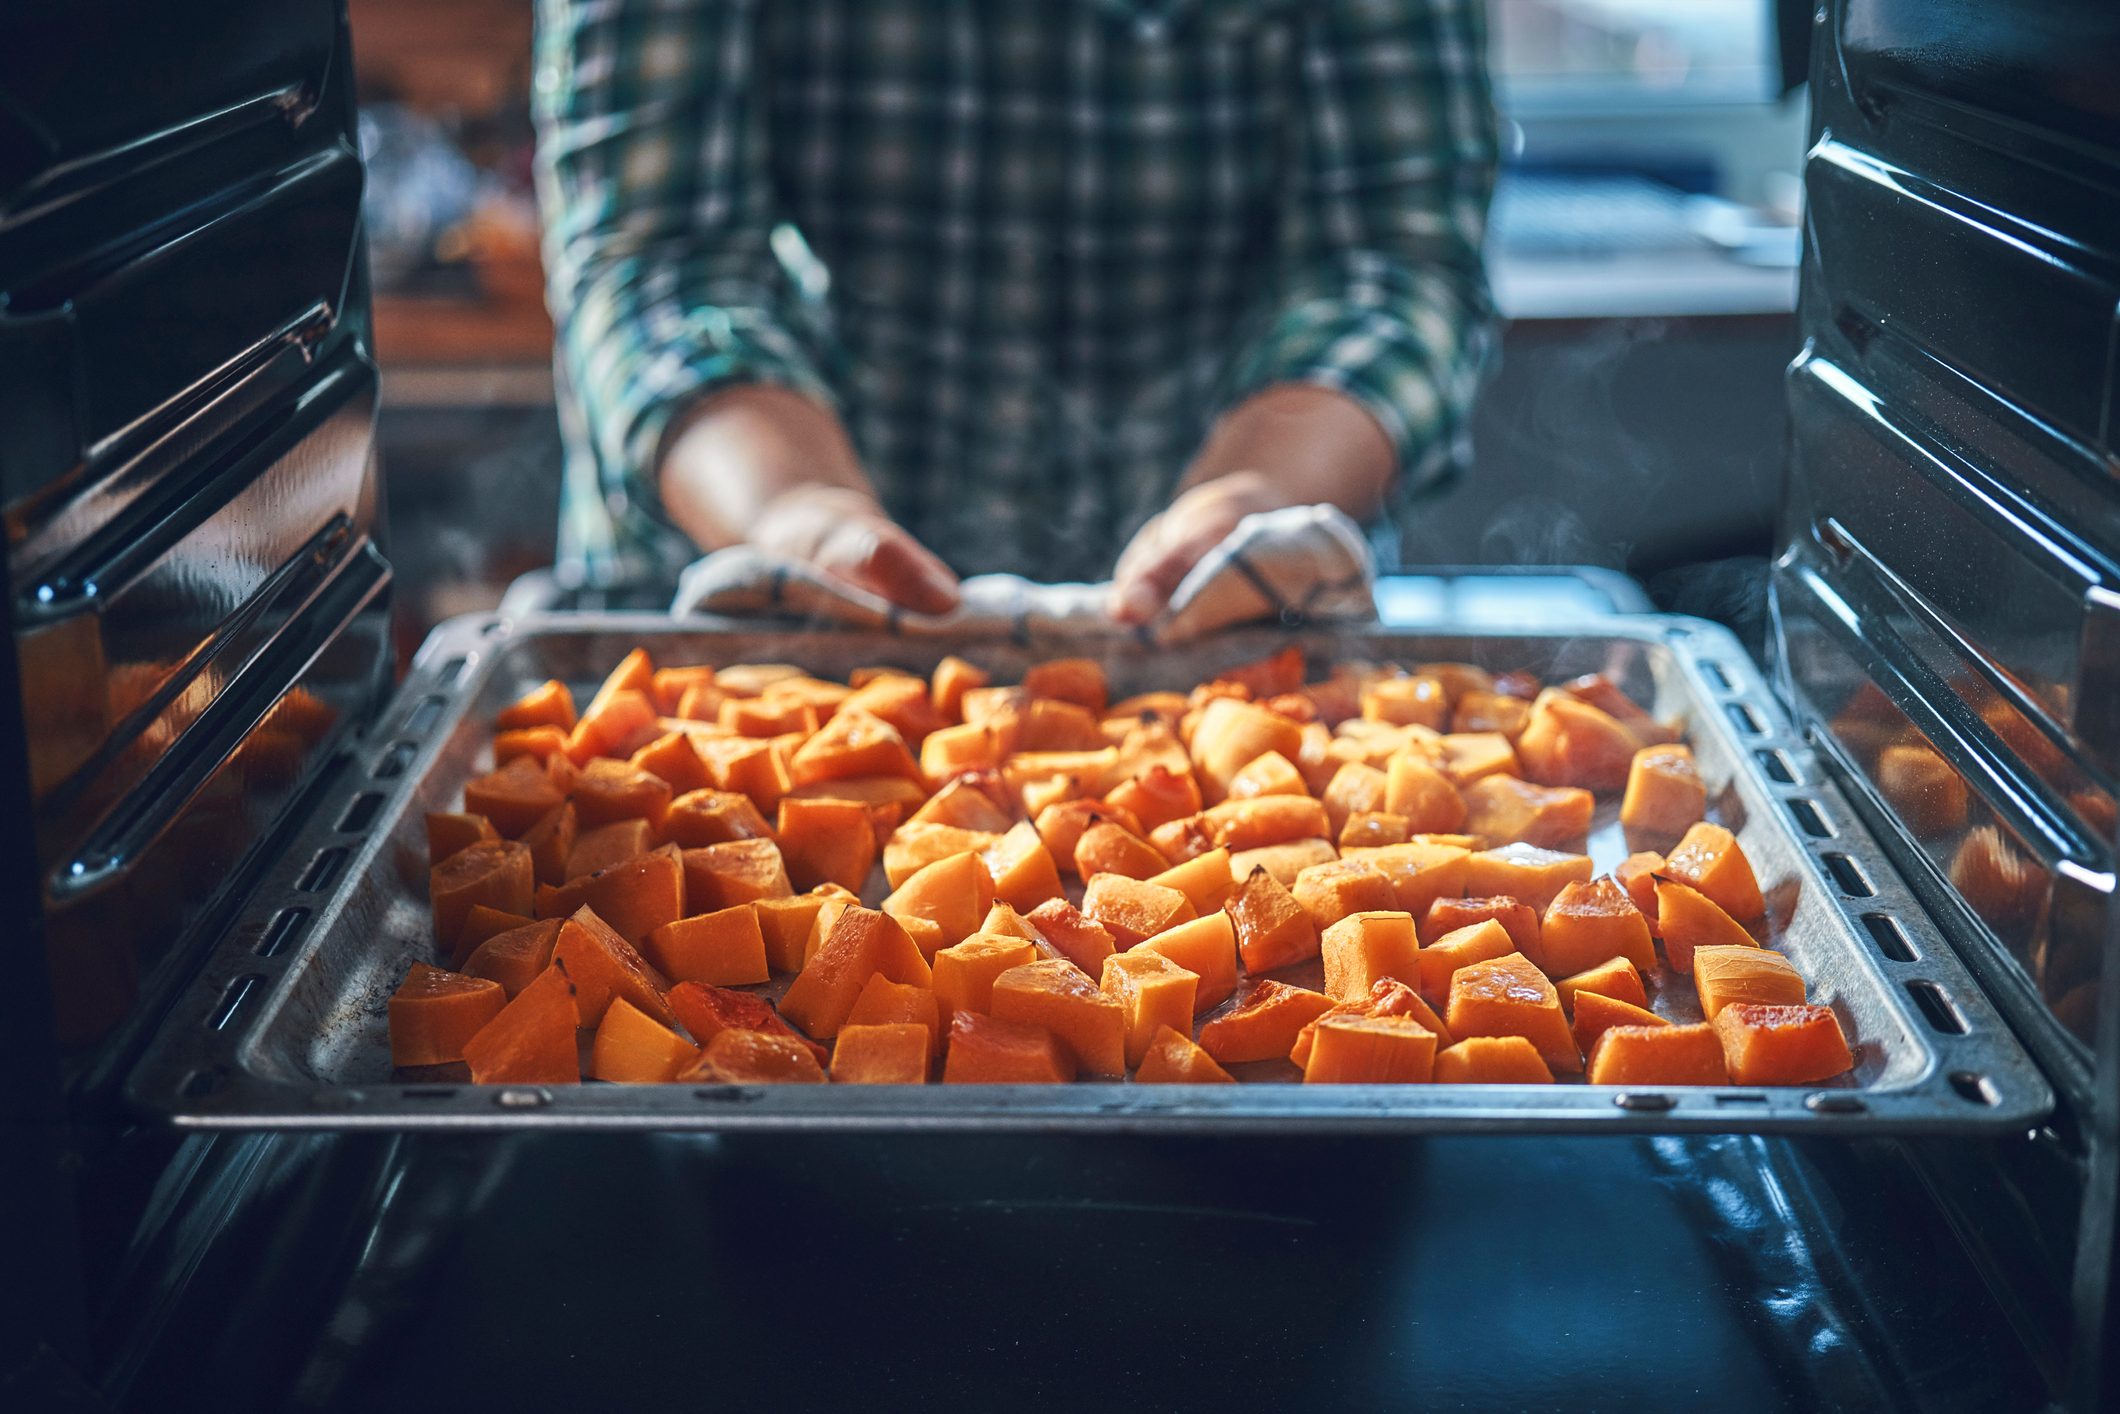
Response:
column 1027, row 249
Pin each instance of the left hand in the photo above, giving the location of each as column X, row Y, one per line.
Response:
column 1164, row 550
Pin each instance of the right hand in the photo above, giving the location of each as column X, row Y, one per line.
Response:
column 846, row 534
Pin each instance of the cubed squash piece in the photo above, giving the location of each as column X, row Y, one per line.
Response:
column 668, row 686
column 986, row 1050
column 1658, row 1055
column 539, row 744
column 1173, row 1059
column 1489, row 712
column 1690, row 920
column 863, row 943
column 734, row 872
column 1568, row 742
column 1596, row 1013
column 913, row 848
column 515, row 797
column 1205, row 880
column 614, row 790
column 1268, row 774
column 514, row 958
column 1263, row 1023
column 605, row 845
column 962, row 803
column 1006, row 921
column 1589, row 922
column 1386, row 998
column 1283, row 861
column 1132, row 910
column 1509, row 996
column 953, row 677
column 480, row 924
column 673, row 759
column 969, row 746
column 1525, row 873
column 1207, row 948
column 613, row 725
column 1519, row 920
column 954, row 894
column 883, row 1053
column 1407, row 701
column 1272, row 929
column 754, row 1058
column 1105, row 848
column 1614, row 977
column 451, row 830
column 853, row 743
column 1637, row 875
column 1440, row 960
column 634, row 898
column 1664, row 793
column 1502, row 809
column 1356, row 788
column 1370, row 1050
column 1474, row 756
column 1072, row 933
column 1077, row 680
column 551, row 843
column 1060, row 997
column 1157, row 795
column 705, row 1012
column 765, row 717
column 601, row 964
column 549, row 704
column 725, row 948
column 1022, row 868
column 1710, row 859
column 530, row 1041
column 964, row 974
column 1366, row 829
column 1782, row 1045
column 1727, row 975
column 1238, row 825
column 1343, row 887
column 746, row 765
column 826, row 841
column 886, row 1003
column 496, row 873
column 1363, row 949
column 633, row 1048
column 1154, row 994
column 1231, row 734
column 1492, row 1060
column 785, row 924
column 434, row 1014
column 1422, row 872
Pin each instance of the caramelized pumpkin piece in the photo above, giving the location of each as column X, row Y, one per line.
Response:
column 516, row 957
column 539, row 744
column 954, row 894
column 1230, row 735
column 1204, row 880
column 603, row 965
column 1727, row 975
column 633, row 1047
column 1283, row 861
column 1440, row 960
column 1588, row 923
column 1422, row 871
column 853, row 743
column 551, row 844
column 1268, row 774
column 1637, row 875
column 861, row 944
column 449, row 831
column 1492, row 1060
column 1525, row 872
column 1340, row 888
column 1614, row 977
column 1781, row 1045
column 515, row 797
column 1509, row 996
column 754, row 1058
column 1596, row 1013
column 496, row 873
column 1709, row 859
column 549, row 704
column 1356, row 788
column 613, row 790
column 954, row 677
column 702, row 817
column 1131, row 910
column 1207, row 948
column 785, row 924
column 1060, row 997
column 1473, row 756
column 883, row 1053
column 913, row 848
column 1370, row 1050
column 1691, row 921
column 964, row 973
column 1518, row 920
column 531, row 1040
column 1263, row 1023
column 886, row 1003
column 634, row 898
column 1664, row 793
column 1386, row 998
column 1105, row 848
column 1363, row 949
column 1272, row 929
column 1154, row 994
column 672, row 759
column 1072, row 933
column 706, row 1012
column 480, row 924
column 434, row 1013
column 738, row 871
column 985, row 1050
column 612, row 726
column 1171, row 1058
column 1156, row 795
column 724, row 948
column 605, row 845
column 1022, row 868
column 1658, row 1055
column 1568, row 742
column 1407, row 701
column 1502, row 809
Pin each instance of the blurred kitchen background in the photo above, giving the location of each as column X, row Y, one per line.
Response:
column 1643, row 251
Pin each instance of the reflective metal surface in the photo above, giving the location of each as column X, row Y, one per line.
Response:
column 285, row 1025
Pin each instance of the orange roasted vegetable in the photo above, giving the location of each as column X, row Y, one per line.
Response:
column 1781, row 1045
column 1263, row 1023
column 1587, row 923
column 724, row 948
column 884, row 1053
column 516, row 957
column 826, row 842
column 1595, row 1014
column 1524, row 872
column 1690, row 920
column 1710, row 859
column 1441, row 960
column 1492, row 1060
column 1664, row 793
column 549, row 704
column 1508, row 996
column 736, row 871
column 1273, row 930
column 1386, row 998
column 1131, row 910
column 634, row 898
column 514, row 797
column 1363, row 949
column 706, row 1012
column 1519, row 920
column 601, row 965
column 1171, row 1058
column 1658, row 1055
column 861, row 944
column 754, row 1058
column 1370, row 1050
column 631, row 1046
column 886, row 1003
column 1614, row 977
column 1060, row 997
column 1727, row 975
column 985, row 1050
column 1502, row 809
column 1154, row 993
column 449, row 831
column 1341, row 888
column 1072, row 933
column 607, row 845
column 707, row 816
column 531, row 1040
column 1205, row 947
column 496, row 873
column 433, row 1014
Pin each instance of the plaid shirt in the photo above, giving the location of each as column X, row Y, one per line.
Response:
column 1027, row 249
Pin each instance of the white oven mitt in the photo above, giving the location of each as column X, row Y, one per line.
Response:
column 1301, row 564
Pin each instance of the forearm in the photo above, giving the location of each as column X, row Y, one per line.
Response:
column 730, row 458
column 1297, row 444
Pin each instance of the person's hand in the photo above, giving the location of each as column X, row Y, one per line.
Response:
column 1164, row 550
column 847, row 535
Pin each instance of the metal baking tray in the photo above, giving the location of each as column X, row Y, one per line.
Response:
column 285, row 1024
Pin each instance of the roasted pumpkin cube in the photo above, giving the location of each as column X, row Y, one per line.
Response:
column 853, row 743
column 1023, row 870
column 1589, row 922
column 1205, row 880
column 1231, row 734
column 765, row 717
column 1501, row 809
column 1664, row 793
column 1637, row 875
column 514, row 797
column 734, row 872
column 1363, row 949
column 1131, row 910
column 1283, row 861
column 1207, row 948
column 1356, row 788
column 1492, row 1060
column 1710, row 859
column 514, row 958
column 754, row 1058
column 549, row 704
column 1474, row 756
column 1263, row 1023
column 480, row 924
column 1489, row 712
column 668, row 687
column 964, row 973
column 551, row 842
column 747, row 765
column 1105, row 848
column 1252, row 822
column 953, row 893
column 1568, row 742
column 530, row 1041
column 826, row 841
column 1407, row 701
column 1060, row 997
column 954, row 677
column 1267, row 774
column 1525, row 873
column 1421, row 872
column 882, row 1053
column 1157, row 794
column 1727, row 975
column 1389, row 997
column 963, row 804
column 1440, row 960
column 613, row 725
column 449, row 831
column 1339, row 888
column 1691, row 920
column 1519, row 920
column 433, row 1014
column 495, row 873
column 1072, row 933
column 634, row 898
column 913, row 847
column 986, row 1050
column 1272, row 929
column 598, row 849
column 1596, row 1013
column 970, row 746
column 1153, row 993
column 1509, row 996
column 898, row 699
column 1614, row 977
column 539, row 744
column 1006, row 921
column 861, row 944
column 1173, row 1059
column 1658, row 1055
column 1416, row 788
column 886, row 1003
column 785, row 925
column 1370, row 1050
column 706, row 1012
column 613, row 790
column 672, row 758
column 601, row 965
column 1781, row 1045
column 1367, row 829
column 634, row 1048
column 702, row 817
column 724, row 948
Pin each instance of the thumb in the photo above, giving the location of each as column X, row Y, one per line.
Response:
column 907, row 573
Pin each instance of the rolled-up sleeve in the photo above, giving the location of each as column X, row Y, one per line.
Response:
column 659, row 220
column 1381, row 292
